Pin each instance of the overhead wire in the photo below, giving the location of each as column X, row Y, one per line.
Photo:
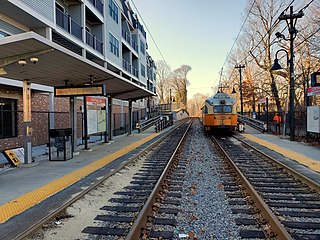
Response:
column 271, row 28
column 236, row 38
column 149, row 31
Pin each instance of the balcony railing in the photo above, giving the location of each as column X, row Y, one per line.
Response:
column 126, row 65
column 76, row 29
column 126, row 35
column 135, row 72
column 98, row 5
column 134, row 45
column 65, row 21
column 93, row 42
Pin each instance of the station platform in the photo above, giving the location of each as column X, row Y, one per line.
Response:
column 300, row 156
column 28, row 184
column 55, row 182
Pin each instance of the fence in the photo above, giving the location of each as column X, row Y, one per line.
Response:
column 11, row 125
column 300, row 123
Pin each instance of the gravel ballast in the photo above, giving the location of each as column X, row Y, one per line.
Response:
column 204, row 213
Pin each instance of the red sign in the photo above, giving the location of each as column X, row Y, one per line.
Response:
column 313, row 91
column 101, row 101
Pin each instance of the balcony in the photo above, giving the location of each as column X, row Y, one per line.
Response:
column 135, row 72
column 93, row 42
column 98, row 5
column 126, row 65
column 65, row 21
column 126, row 36
column 134, row 45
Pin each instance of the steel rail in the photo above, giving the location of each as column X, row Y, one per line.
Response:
column 276, row 226
column 54, row 213
column 142, row 217
column 309, row 182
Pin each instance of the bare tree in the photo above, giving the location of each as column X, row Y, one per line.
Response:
column 261, row 28
column 163, row 78
column 179, row 83
column 195, row 104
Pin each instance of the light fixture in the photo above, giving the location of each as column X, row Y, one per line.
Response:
column 34, row 60
column 276, row 65
column 233, row 90
column 3, row 71
column 22, row 62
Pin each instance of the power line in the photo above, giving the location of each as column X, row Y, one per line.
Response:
column 306, row 6
column 148, row 30
column 238, row 33
column 271, row 28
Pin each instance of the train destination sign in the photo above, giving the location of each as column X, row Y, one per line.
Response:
column 85, row 90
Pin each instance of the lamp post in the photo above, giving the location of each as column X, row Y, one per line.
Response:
column 240, row 87
column 277, row 66
column 293, row 34
column 170, row 106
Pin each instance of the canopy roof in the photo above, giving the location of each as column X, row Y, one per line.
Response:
column 58, row 65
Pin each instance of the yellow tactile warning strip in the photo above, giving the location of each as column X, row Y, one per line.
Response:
column 30, row 199
column 310, row 163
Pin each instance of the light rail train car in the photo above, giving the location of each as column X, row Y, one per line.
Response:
column 219, row 113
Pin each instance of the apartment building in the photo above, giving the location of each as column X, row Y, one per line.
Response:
column 74, row 43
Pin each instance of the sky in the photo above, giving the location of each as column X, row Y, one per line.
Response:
column 198, row 33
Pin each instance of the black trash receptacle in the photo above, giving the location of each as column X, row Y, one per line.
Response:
column 60, row 144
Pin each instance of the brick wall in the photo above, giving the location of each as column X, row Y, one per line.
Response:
column 40, row 116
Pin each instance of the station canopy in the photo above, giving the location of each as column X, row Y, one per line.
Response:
column 58, row 65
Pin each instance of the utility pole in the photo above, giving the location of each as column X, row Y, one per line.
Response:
column 240, row 86
column 293, row 34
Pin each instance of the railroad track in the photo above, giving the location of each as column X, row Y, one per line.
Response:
column 150, row 193
column 134, row 212
column 283, row 203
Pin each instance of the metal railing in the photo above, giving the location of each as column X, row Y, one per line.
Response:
column 257, row 124
column 126, row 65
column 149, row 123
column 98, row 5
column 134, row 45
column 94, row 42
column 163, row 123
column 135, row 71
column 126, row 36
column 65, row 21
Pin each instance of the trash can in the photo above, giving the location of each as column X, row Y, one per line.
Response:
column 60, row 144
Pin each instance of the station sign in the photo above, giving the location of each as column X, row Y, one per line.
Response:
column 85, row 90
column 313, row 91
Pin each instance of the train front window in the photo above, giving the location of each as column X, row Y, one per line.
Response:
column 222, row 109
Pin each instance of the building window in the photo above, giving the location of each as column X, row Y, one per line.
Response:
column 113, row 10
column 3, row 34
column 8, row 118
column 143, row 70
column 142, row 47
column 114, row 45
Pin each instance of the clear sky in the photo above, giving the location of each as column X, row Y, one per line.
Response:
column 198, row 33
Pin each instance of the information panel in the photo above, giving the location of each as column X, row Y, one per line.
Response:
column 15, row 156
column 85, row 90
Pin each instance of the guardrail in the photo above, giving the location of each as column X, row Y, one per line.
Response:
column 257, row 124
column 148, row 123
column 163, row 123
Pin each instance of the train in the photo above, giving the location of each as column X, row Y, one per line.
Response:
column 219, row 113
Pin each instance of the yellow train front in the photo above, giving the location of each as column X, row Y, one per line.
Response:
column 219, row 113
